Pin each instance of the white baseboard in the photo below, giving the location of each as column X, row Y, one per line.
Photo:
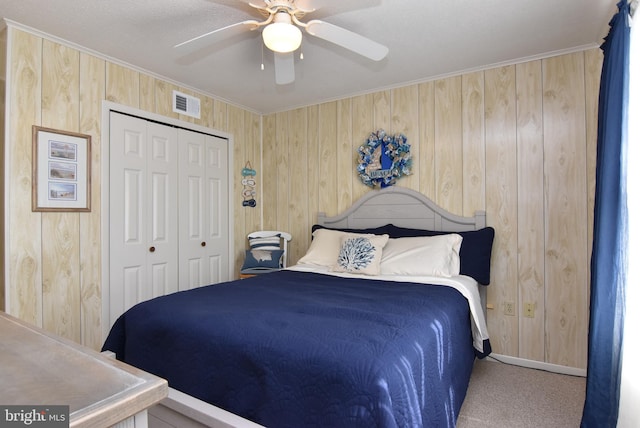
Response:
column 539, row 365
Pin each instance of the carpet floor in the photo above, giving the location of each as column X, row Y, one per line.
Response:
column 507, row 396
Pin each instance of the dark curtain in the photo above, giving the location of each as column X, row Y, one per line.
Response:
column 609, row 260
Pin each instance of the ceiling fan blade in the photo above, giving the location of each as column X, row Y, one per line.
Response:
column 283, row 65
column 217, row 35
column 347, row 39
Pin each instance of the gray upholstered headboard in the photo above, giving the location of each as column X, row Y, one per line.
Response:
column 405, row 208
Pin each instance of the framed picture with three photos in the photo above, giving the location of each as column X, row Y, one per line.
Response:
column 61, row 170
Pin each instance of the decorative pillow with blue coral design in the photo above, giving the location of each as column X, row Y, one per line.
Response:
column 361, row 254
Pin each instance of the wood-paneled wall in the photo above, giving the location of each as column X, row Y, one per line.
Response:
column 517, row 141
column 54, row 270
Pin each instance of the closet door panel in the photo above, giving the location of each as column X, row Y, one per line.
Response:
column 143, row 247
column 217, row 173
column 127, row 209
column 203, row 203
column 193, row 236
column 162, row 221
column 133, row 289
column 194, row 213
column 215, row 269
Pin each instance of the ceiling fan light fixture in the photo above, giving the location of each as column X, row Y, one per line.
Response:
column 282, row 36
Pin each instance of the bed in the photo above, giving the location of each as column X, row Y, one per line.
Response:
column 374, row 339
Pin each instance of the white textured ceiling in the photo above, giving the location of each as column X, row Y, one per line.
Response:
column 426, row 39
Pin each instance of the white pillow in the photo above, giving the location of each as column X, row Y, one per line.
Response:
column 422, row 255
column 360, row 254
column 325, row 247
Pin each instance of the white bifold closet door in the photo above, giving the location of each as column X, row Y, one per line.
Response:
column 203, row 199
column 168, row 211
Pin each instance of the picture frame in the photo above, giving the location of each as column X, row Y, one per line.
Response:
column 61, row 178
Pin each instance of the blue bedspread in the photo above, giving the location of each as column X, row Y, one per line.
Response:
column 300, row 349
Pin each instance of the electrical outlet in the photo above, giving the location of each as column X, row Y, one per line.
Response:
column 509, row 308
column 529, row 309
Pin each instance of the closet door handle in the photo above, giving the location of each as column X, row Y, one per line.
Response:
column 152, row 249
column 203, row 244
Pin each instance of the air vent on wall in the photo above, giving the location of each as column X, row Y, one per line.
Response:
column 186, row 104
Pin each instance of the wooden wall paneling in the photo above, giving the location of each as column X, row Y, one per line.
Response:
column 164, row 101
column 502, row 199
column 268, row 173
column 473, row 147
column 246, row 143
column 92, row 90
column 566, row 270
column 424, row 164
column 448, row 143
column 328, row 202
column 297, row 178
column 345, row 156
column 382, row 110
column 220, row 115
column 361, row 127
column 246, row 214
column 147, row 93
column 25, row 256
column 313, row 177
column 593, row 66
column 404, row 120
column 61, row 231
column 530, row 209
column 253, row 219
column 123, row 85
column 206, row 112
column 61, row 274
column 236, row 127
column 60, row 86
column 282, row 171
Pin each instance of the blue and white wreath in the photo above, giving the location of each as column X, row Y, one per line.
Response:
column 383, row 159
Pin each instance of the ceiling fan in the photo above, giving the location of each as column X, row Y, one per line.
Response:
column 281, row 33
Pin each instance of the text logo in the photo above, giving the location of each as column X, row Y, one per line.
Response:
column 34, row 416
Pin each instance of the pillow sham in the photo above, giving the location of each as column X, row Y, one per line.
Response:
column 360, row 254
column 260, row 260
column 475, row 251
column 325, row 246
column 422, row 255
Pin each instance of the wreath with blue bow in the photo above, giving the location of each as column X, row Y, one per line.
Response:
column 383, row 159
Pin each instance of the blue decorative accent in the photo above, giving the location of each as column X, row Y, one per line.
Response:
column 356, row 254
column 383, row 159
column 260, row 261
